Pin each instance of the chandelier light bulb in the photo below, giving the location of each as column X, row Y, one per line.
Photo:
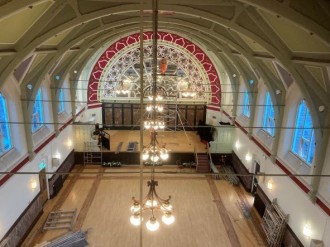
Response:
column 160, row 108
column 154, row 158
column 168, row 218
column 147, row 125
column 145, row 155
column 152, row 224
column 135, row 208
column 135, row 219
column 167, row 207
column 164, row 155
column 151, row 203
column 149, row 108
column 161, row 125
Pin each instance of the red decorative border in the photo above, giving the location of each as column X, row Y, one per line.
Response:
column 121, row 44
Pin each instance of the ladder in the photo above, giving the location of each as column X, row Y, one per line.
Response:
column 60, row 220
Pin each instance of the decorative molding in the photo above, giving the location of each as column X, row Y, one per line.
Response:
column 128, row 41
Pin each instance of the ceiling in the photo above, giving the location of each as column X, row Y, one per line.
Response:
column 280, row 41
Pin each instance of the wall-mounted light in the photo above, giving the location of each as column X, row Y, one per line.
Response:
column 307, row 230
column 278, row 91
column 69, row 143
column 57, row 155
column 270, row 185
column 33, row 184
column 248, row 157
column 321, row 108
column 237, row 144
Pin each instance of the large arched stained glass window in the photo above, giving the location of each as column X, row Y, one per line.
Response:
column 246, row 105
column 37, row 115
column 269, row 117
column 303, row 143
column 5, row 140
column 60, row 107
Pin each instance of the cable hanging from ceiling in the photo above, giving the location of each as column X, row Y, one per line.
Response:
column 152, row 201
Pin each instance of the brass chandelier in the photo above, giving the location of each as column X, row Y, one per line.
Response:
column 152, row 201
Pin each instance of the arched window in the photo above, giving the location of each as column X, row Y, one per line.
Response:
column 37, row 115
column 246, row 105
column 269, row 117
column 5, row 140
column 303, row 143
column 60, row 107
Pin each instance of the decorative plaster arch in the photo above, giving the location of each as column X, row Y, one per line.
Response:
column 193, row 49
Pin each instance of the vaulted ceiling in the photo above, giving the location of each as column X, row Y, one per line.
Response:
column 280, row 41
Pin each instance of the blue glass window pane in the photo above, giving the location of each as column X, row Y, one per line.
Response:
column 5, row 139
column 269, row 116
column 42, row 165
column 311, row 150
column 60, row 107
column 303, row 143
column 246, row 105
column 37, row 115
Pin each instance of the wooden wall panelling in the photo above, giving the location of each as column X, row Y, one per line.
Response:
column 241, row 169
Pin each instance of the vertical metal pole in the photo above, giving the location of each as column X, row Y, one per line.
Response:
column 141, row 118
column 154, row 73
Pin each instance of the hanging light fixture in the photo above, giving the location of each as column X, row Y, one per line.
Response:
column 154, row 125
column 152, row 200
column 154, row 153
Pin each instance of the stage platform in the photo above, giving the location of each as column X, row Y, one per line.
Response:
column 175, row 141
column 181, row 145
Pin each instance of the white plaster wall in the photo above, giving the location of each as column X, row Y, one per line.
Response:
column 67, row 96
column 226, row 93
column 16, row 193
column 47, row 105
column 293, row 98
column 324, row 189
column 95, row 113
column 290, row 197
column 259, row 108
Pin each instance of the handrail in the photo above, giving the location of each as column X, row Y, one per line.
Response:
column 212, row 166
column 195, row 156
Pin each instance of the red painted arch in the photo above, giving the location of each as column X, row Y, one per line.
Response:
column 121, row 44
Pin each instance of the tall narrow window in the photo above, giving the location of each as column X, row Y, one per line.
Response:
column 37, row 115
column 269, row 117
column 303, row 143
column 246, row 105
column 5, row 140
column 60, row 107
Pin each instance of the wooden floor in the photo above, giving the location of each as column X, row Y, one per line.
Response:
column 206, row 210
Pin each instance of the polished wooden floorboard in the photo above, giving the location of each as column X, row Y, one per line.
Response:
column 206, row 210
